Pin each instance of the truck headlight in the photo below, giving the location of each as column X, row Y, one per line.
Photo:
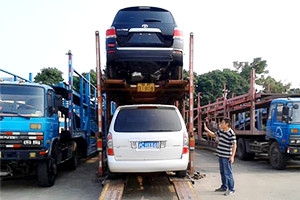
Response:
column 36, row 126
column 27, row 142
column 293, row 141
column 298, row 142
column 36, row 142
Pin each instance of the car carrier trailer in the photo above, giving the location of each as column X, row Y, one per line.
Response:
column 264, row 123
column 172, row 92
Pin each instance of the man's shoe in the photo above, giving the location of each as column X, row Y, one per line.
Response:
column 229, row 192
column 220, row 190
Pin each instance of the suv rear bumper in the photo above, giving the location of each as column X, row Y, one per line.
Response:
column 142, row 54
column 148, row 165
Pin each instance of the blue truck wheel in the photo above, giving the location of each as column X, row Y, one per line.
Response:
column 46, row 171
column 277, row 158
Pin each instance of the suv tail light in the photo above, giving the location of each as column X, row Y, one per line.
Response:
column 185, row 143
column 111, row 33
column 177, row 33
column 110, row 150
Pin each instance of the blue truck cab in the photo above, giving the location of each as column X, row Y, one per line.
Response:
column 282, row 131
column 29, row 120
column 44, row 126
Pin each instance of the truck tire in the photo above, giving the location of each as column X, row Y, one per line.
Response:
column 242, row 152
column 72, row 163
column 181, row 174
column 46, row 172
column 277, row 158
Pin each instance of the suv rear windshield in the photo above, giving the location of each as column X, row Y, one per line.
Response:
column 147, row 120
column 140, row 17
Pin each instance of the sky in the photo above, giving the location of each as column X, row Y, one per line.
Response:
column 36, row 34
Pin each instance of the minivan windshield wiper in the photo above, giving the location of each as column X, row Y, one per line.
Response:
column 14, row 113
column 152, row 20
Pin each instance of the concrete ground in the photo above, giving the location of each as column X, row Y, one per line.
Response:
column 255, row 180
column 81, row 184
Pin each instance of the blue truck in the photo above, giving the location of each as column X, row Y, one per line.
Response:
column 44, row 126
column 279, row 130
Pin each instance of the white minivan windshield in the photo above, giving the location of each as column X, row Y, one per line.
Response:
column 147, row 120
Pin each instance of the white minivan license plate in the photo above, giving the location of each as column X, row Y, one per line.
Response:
column 148, row 145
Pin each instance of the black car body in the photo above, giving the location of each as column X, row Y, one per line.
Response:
column 144, row 44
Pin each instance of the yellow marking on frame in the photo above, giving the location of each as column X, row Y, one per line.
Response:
column 171, row 188
column 104, row 192
column 192, row 189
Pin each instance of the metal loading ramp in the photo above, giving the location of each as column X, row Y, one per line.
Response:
column 153, row 186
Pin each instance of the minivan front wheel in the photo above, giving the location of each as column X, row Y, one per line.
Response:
column 181, row 174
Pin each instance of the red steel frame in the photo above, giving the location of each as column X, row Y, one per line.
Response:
column 168, row 92
column 100, row 109
column 224, row 107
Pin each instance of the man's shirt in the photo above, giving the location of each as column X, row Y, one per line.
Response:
column 226, row 141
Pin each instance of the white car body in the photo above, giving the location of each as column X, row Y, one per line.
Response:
column 148, row 151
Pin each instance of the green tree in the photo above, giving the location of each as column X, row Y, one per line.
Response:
column 245, row 68
column 211, row 85
column 49, row 76
column 274, row 86
column 261, row 72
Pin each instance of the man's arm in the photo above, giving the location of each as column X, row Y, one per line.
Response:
column 231, row 159
column 210, row 133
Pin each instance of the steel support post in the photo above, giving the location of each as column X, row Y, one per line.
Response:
column 199, row 117
column 191, row 105
column 99, row 102
column 252, row 96
column 70, row 95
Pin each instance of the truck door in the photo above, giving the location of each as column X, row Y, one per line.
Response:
column 270, row 121
column 52, row 119
column 279, row 127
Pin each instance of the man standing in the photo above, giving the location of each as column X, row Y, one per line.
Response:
column 225, row 151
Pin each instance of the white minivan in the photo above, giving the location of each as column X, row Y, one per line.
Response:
column 147, row 138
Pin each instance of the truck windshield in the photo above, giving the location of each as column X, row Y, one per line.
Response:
column 20, row 100
column 147, row 120
column 296, row 113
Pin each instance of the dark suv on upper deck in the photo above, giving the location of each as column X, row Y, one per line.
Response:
column 144, row 44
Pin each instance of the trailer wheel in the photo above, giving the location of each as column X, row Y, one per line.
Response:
column 72, row 164
column 277, row 158
column 242, row 152
column 46, row 172
column 181, row 174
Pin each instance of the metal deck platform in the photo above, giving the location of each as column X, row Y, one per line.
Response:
column 149, row 186
column 164, row 92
